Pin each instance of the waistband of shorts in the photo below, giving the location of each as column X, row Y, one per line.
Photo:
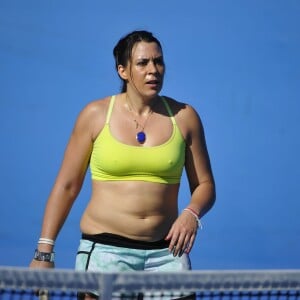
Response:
column 121, row 241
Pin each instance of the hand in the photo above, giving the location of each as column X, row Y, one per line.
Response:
column 35, row 264
column 182, row 234
column 41, row 264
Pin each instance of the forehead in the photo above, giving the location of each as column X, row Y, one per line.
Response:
column 146, row 50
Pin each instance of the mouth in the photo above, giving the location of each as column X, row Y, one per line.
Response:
column 154, row 82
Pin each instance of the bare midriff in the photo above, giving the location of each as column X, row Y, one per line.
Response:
column 138, row 210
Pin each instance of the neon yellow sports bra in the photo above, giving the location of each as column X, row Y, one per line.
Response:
column 116, row 161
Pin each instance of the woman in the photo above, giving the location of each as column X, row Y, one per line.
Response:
column 136, row 144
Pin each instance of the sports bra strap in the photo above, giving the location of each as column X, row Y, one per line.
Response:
column 169, row 110
column 110, row 108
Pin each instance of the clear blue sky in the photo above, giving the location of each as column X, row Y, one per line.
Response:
column 236, row 62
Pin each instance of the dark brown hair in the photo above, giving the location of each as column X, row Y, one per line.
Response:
column 123, row 50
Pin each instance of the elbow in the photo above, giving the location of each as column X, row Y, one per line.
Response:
column 206, row 191
column 213, row 195
column 213, row 192
column 72, row 188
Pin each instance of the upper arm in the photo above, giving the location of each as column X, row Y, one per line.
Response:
column 197, row 162
column 78, row 150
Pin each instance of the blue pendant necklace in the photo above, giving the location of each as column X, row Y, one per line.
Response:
column 141, row 135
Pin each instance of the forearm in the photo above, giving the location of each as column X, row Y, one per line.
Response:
column 203, row 198
column 184, row 230
column 57, row 209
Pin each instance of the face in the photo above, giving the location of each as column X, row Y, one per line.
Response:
column 145, row 71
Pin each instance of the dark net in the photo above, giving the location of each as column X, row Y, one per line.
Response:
column 29, row 284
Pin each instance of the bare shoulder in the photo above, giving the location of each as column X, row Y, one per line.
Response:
column 92, row 116
column 95, row 108
column 185, row 114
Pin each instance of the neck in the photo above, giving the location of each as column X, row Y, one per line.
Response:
column 140, row 106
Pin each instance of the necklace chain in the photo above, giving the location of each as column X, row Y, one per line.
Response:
column 138, row 124
column 140, row 136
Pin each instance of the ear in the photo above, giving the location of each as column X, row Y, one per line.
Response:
column 123, row 72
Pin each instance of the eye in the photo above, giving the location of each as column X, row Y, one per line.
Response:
column 142, row 62
column 159, row 61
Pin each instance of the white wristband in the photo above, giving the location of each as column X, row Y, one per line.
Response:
column 196, row 217
column 46, row 241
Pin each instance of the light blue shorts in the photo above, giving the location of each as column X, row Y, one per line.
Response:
column 93, row 256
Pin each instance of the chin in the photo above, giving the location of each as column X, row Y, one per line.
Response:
column 152, row 93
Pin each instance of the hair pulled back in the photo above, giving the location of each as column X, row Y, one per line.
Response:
column 123, row 50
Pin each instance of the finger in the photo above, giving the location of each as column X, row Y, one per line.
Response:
column 173, row 245
column 176, row 250
column 182, row 251
column 190, row 243
column 170, row 233
column 173, row 238
column 179, row 245
column 186, row 244
column 42, row 294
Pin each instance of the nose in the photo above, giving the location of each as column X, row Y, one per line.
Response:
column 152, row 67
